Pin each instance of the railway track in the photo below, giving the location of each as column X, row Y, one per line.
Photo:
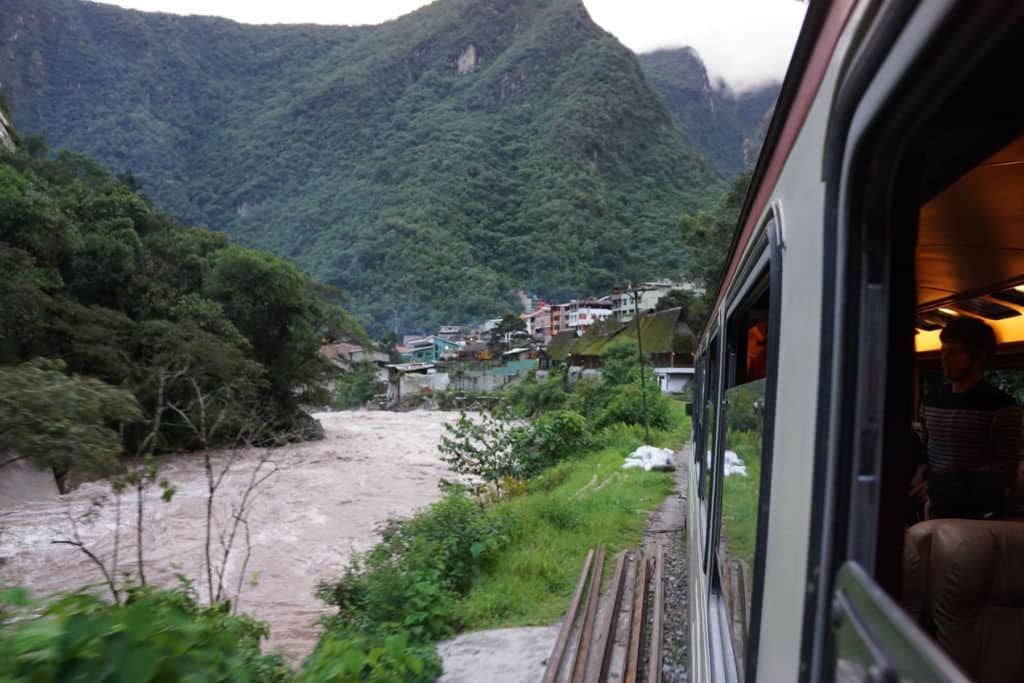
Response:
column 616, row 636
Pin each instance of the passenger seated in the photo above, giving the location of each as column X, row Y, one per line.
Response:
column 970, row 429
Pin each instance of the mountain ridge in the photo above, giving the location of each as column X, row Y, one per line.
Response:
column 726, row 125
column 430, row 165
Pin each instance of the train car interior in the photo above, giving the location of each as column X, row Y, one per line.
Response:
column 963, row 579
column 953, row 220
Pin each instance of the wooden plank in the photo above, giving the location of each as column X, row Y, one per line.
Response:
column 587, row 631
column 637, row 623
column 607, row 638
column 555, row 662
column 654, row 663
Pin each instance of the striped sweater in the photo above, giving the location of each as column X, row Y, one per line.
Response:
column 978, row 430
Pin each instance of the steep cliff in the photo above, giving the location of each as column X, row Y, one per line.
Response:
column 727, row 127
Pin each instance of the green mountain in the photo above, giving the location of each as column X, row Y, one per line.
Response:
column 429, row 166
column 727, row 127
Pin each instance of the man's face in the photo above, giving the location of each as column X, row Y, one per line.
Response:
column 957, row 363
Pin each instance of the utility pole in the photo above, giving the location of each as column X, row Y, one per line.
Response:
column 640, row 355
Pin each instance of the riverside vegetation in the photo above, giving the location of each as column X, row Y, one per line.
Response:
column 504, row 551
column 90, row 290
column 481, row 557
column 114, row 318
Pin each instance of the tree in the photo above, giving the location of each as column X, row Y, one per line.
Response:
column 511, row 327
column 706, row 236
column 268, row 299
column 60, row 420
column 694, row 305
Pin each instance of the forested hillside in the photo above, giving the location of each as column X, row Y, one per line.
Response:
column 727, row 127
column 122, row 329
column 429, row 166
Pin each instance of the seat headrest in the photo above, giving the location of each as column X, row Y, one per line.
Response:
column 982, row 561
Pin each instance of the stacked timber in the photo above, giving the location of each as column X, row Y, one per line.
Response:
column 619, row 637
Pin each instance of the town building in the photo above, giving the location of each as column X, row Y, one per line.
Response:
column 429, row 349
column 558, row 317
column 668, row 345
column 345, row 355
column 650, row 294
column 581, row 314
column 452, row 333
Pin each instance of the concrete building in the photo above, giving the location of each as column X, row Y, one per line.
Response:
column 651, row 293
column 668, row 344
column 582, row 314
column 429, row 349
column 558, row 316
column 453, row 333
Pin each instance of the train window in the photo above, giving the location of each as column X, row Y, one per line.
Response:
column 741, row 469
column 932, row 297
column 708, row 421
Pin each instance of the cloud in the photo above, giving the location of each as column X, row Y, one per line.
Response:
column 744, row 42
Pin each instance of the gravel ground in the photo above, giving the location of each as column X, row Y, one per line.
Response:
column 675, row 647
column 667, row 526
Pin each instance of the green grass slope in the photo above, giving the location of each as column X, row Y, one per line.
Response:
column 364, row 154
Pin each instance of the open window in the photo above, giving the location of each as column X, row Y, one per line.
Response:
column 931, row 231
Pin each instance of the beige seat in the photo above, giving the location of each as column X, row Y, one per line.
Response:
column 964, row 582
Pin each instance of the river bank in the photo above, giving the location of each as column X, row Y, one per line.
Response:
column 325, row 503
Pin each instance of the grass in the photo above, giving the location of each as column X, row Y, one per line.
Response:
column 740, row 497
column 561, row 516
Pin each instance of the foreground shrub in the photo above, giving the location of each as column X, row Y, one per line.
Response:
column 627, row 407
column 490, row 447
column 555, row 436
column 531, row 395
column 408, row 583
column 500, row 451
column 156, row 636
column 354, row 657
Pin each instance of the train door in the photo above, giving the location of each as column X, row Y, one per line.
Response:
column 926, row 110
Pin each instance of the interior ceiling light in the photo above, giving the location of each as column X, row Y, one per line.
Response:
column 948, row 311
column 1014, row 295
column 934, row 320
column 987, row 309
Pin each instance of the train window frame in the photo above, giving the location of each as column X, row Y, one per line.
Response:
column 706, row 484
column 913, row 61
column 763, row 276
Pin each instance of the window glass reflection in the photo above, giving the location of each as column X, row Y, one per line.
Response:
column 740, row 490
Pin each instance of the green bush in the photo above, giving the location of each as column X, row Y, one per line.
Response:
column 588, row 397
column 531, row 396
column 156, row 636
column 555, row 436
column 408, row 583
column 357, row 658
column 627, row 407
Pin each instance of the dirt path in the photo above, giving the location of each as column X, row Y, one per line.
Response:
column 326, row 502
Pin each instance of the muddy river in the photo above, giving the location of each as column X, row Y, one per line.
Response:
column 324, row 503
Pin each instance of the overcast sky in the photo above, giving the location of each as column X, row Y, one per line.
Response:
column 746, row 42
